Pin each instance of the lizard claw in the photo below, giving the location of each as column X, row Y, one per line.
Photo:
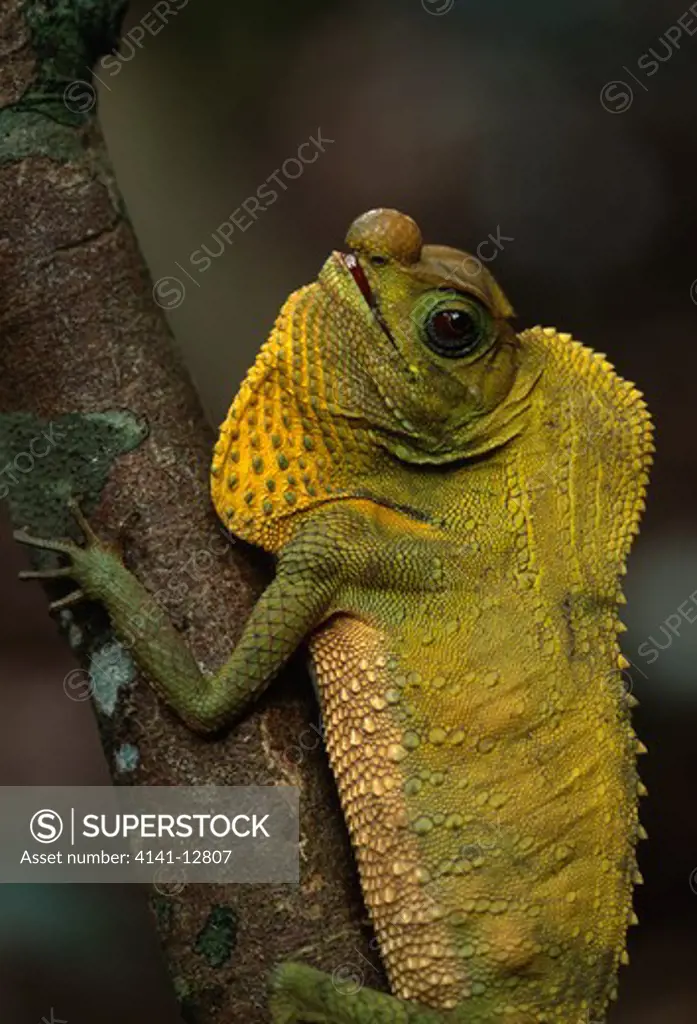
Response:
column 65, row 547
column 74, row 597
column 65, row 571
column 80, row 558
column 38, row 574
column 81, row 520
column 62, row 546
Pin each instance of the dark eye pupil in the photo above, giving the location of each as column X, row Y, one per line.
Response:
column 452, row 332
column 453, row 324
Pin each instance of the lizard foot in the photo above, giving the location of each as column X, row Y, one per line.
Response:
column 300, row 993
column 86, row 565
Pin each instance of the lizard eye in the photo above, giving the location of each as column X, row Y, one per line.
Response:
column 456, row 332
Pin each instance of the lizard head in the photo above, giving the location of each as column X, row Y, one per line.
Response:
column 399, row 359
column 400, row 354
column 434, row 357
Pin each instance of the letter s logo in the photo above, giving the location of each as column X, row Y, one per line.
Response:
column 46, row 826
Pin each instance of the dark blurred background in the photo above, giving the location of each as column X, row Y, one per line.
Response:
column 568, row 129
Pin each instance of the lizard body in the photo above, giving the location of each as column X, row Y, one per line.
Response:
column 452, row 505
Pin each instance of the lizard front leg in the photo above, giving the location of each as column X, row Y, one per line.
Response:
column 290, row 607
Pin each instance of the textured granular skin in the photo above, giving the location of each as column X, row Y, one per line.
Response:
column 468, row 665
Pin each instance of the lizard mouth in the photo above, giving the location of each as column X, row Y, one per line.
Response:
column 352, row 264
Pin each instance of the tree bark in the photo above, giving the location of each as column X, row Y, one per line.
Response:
column 94, row 402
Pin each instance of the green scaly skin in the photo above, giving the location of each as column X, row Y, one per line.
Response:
column 451, row 505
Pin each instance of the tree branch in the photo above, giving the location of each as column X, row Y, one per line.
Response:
column 94, row 402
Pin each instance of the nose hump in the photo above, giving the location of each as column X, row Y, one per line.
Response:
column 385, row 232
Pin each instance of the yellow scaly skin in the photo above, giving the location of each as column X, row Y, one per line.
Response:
column 451, row 530
column 482, row 694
